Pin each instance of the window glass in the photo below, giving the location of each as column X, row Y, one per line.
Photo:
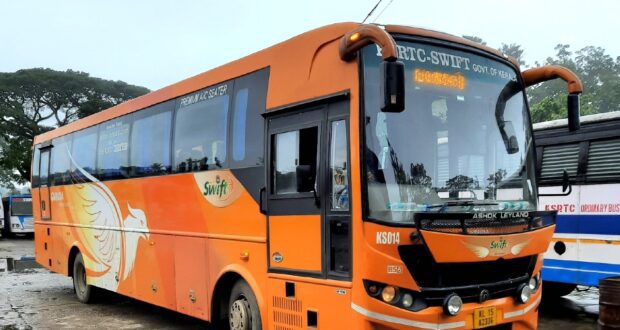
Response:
column 295, row 161
column 84, row 153
column 61, row 163
column 247, row 120
column 36, row 155
column 239, row 120
column 112, row 162
column 150, row 140
column 339, row 171
column 201, row 129
column 45, row 166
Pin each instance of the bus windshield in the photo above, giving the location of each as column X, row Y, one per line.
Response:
column 462, row 144
column 21, row 206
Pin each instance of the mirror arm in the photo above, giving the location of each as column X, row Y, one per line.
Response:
column 367, row 34
column 570, row 189
column 537, row 75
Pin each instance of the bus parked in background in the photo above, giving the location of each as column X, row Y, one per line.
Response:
column 586, row 245
column 353, row 177
column 17, row 215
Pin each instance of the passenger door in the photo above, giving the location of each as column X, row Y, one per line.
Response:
column 307, row 191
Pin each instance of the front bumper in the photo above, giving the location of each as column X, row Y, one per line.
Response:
column 377, row 315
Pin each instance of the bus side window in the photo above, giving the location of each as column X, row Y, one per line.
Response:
column 61, row 163
column 295, row 160
column 35, row 166
column 150, row 141
column 200, row 132
column 247, row 122
column 113, row 158
column 84, row 153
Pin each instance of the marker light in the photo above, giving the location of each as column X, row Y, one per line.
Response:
column 452, row 304
column 407, row 300
column 354, row 37
column 389, row 294
column 524, row 293
column 373, row 289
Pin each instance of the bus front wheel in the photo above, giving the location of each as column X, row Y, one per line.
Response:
column 243, row 313
column 555, row 290
column 84, row 292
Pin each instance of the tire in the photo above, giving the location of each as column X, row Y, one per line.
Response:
column 85, row 293
column 555, row 290
column 243, row 312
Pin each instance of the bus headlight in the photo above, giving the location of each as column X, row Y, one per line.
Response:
column 524, row 293
column 407, row 300
column 534, row 283
column 452, row 304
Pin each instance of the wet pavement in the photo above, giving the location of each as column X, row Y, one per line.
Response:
column 34, row 298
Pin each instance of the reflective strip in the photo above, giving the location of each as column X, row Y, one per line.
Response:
column 522, row 311
column 581, row 270
column 398, row 320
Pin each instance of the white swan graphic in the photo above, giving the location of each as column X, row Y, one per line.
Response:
column 111, row 243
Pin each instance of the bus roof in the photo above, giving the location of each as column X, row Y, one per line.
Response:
column 291, row 64
column 596, row 118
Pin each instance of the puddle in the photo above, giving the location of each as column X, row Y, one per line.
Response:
column 23, row 264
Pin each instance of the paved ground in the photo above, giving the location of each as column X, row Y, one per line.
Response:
column 36, row 299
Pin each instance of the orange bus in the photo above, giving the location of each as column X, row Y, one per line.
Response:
column 352, row 177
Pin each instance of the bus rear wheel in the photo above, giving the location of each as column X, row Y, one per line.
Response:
column 85, row 293
column 243, row 313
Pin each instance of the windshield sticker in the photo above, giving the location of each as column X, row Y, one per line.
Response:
column 426, row 56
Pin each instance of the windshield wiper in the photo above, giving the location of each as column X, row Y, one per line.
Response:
column 447, row 204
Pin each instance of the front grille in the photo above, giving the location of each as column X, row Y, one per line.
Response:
column 499, row 277
column 484, row 223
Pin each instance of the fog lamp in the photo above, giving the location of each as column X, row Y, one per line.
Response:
column 452, row 304
column 388, row 294
column 524, row 293
column 407, row 300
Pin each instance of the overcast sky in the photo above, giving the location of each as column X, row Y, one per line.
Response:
column 155, row 43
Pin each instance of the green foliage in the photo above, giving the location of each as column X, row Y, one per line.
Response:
column 599, row 73
column 34, row 101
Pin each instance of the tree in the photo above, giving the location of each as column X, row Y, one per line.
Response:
column 475, row 39
column 513, row 50
column 34, row 101
column 599, row 73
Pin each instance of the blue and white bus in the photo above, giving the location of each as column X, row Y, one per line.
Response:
column 18, row 215
column 586, row 245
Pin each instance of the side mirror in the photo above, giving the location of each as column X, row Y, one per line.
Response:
column 565, row 182
column 305, row 179
column 392, row 86
column 508, row 135
column 573, row 103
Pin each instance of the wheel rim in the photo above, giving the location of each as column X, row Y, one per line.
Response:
column 239, row 315
column 80, row 280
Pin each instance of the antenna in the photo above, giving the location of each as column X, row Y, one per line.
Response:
column 371, row 11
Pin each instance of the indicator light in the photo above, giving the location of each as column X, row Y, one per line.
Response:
column 354, row 37
column 388, row 294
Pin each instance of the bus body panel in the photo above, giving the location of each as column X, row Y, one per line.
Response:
column 588, row 228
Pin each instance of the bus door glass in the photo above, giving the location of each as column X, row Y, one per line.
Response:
column 308, row 198
column 44, row 190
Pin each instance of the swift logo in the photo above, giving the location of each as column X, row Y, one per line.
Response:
column 386, row 237
column 218, row 189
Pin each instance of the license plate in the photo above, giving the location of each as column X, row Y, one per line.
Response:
column 485, row 317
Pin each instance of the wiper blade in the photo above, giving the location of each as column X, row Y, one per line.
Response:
column 445, row 205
